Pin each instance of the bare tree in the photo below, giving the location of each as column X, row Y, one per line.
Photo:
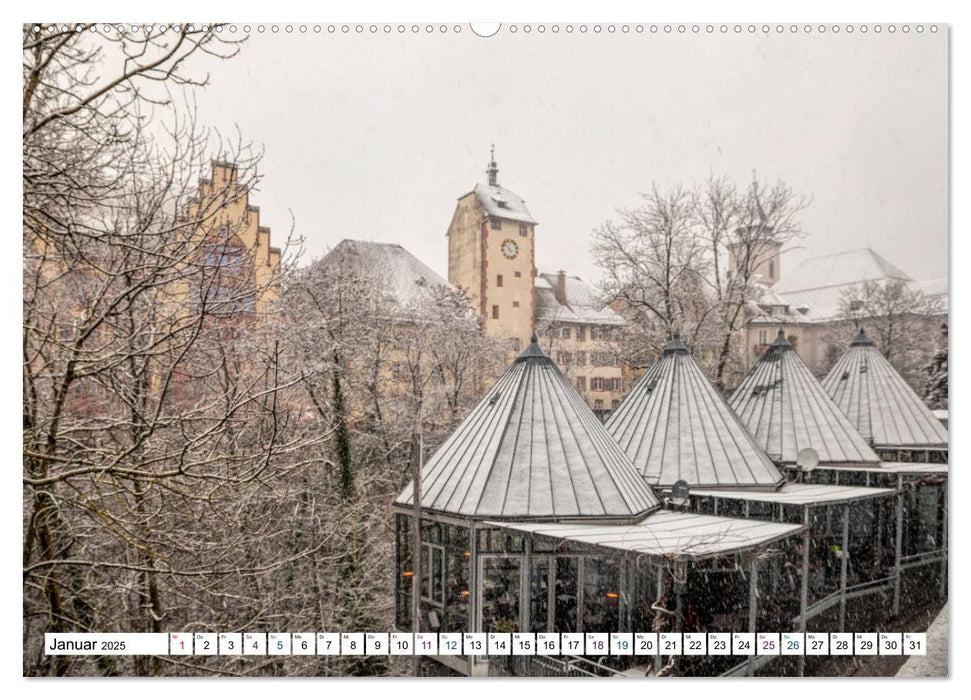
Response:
column 902, row 321
column 690, row 260
column 744, row 229
column 654, row 263
column 160, row 436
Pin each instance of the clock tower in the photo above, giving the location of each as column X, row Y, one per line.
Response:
column 491, row 257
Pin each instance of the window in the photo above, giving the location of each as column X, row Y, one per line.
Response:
column 856, row 304
column 498, row 280
column 495, row 311
column 597, row 384
column 581, row 383
column 563, row 358
column 518, row 274
column 496, row 224
column 771, row 269
column 763, row 338
column 598, row 405
column 602, row 358
column 227, row 284
column 523, row 230
column 615, row 403
column 515, row 305
column 599, row 333
column 613, row 384
column 432, row 586
column 581, row 333
column 564, row 332
column 582, row 358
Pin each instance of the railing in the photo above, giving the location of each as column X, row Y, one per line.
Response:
column 857, row 591
column 549, row 667
column 921, row 559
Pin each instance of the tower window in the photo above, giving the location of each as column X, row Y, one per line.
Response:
column 498, row 280
column 495, row 311
column 496, row 224
column 523, row 230
column 517, row 273
column 515, row 304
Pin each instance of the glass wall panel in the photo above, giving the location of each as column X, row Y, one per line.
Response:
column 825, row 553
column 601, row 595
column 566, row 613
column 500, row 594
column 457, row 590
column 539, row 594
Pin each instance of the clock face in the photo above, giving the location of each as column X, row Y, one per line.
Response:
column 509, row 248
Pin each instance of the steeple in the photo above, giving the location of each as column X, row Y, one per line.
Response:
column 493, row 170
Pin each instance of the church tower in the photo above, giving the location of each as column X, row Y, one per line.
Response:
column 491, row 255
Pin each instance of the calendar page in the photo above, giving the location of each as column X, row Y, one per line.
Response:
column 601, row 348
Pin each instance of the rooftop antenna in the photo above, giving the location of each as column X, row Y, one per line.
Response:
column 806, row 461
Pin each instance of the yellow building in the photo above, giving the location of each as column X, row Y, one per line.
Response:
column 241, row 266
column 492, row 257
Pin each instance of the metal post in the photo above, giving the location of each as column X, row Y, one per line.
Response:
column 898, row 547
column 753, row 604
column 660, row 591
column 844, row 560
column 525, row 576
column 942, row 583
column 624, row 601
column 804, row 584
column 473, row 588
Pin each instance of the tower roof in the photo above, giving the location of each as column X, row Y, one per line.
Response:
column 532, row 450
column 674, row 424
column 786, row 409
column 879, row 402
column 500, row 203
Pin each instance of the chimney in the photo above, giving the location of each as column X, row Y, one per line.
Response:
column 561, row 287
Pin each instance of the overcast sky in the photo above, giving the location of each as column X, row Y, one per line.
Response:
column 375, row 136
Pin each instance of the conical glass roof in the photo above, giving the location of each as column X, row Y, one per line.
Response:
column 674, row 424
column 786, row 409
column 533, row 450
column 879, row 402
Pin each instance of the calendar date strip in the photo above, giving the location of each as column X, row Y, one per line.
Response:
column 488, row 644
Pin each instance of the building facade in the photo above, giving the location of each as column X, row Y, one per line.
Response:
column 492, row 257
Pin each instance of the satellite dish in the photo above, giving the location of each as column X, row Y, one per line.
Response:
column 807, row 459
column 679, row 493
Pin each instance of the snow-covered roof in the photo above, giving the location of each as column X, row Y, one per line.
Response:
column 879, row 402
column 532, row 449
column 389, row 268
column 786, row 409
column 501, row 203
column 801, row 494
column 848, row 267
column 582, row 303
column 666, row 533
column 674, row 424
